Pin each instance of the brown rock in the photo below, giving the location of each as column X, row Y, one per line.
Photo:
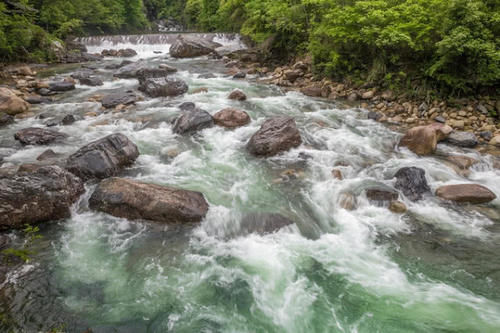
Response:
column 495, row 141
column 238, row 95
column 348, row 201
column 397, row 207
column 463, row 162
column 313, row 91
column 466, row 193
column 10, row 103
column 422, row 140
column 336, row 173
column 276, row 135
column 231, row 118
column 368, row 94
column 132, row 199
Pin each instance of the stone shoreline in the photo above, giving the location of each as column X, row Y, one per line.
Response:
column 472, row 115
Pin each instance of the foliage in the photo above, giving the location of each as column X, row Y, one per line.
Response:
column 450, row 44
column 24, row 253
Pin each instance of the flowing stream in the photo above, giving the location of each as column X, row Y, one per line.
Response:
column 435, row 268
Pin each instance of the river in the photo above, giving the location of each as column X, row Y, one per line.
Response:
column 435, row 268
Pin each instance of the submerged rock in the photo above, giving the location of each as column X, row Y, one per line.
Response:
column 231, row 118
column 163, row 87
column 397, row 207
column 49, row 154
column 38, row 136
column 348, row 201
column 132, row 199
column 466, row 193
column 262, row 223
column 114, row 99
column 411, row 181
column 381, row 195
column 103, row 158
column 276, row 135
column 422, row 140
column 43, row 195
column 10, row 103
column 193, row 120
column 190, row 47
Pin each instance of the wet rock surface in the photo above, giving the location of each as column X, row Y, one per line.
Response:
column 38, row 136
column 103, row 158
column 276, row 135
column 45, row 194
column 462, row 139
column 231, row 118
column 115, row 99
column 10, row 103
column 188, row 47
column 163, row 87
column 137, row 200
column 261, row 223
column 192, row 120
column 412, row 183
column 422, row 140
column 466, row 193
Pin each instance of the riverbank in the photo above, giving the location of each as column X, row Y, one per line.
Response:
column 478, row 115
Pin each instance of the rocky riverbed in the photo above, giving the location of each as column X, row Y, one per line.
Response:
column 178, row 190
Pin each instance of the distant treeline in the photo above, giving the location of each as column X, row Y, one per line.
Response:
column 453, row 44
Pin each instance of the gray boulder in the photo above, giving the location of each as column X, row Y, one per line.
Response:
column 103, row 158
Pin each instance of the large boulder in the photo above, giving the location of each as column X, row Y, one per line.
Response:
column 411, row 181
column 152, row 73
column 466, row 193
column 190, row 47
column 193, row 120
column 132, row 199
column 163, row 87
column 45, row 194
column 10, row 103
column 422, row 140
column 231, row 118
column 103, row 158
column 61, row 86
column 38, row 136
column 129, row 71
column 462, row 139
column 114, row 99
column 276, row 135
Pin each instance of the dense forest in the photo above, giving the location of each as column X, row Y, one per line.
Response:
column 451, row 43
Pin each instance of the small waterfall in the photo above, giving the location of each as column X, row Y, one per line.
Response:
column 149, row 44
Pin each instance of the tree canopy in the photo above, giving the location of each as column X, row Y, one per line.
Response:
column 452, row 43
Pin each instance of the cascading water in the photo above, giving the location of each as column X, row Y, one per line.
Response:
column 433, row 269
